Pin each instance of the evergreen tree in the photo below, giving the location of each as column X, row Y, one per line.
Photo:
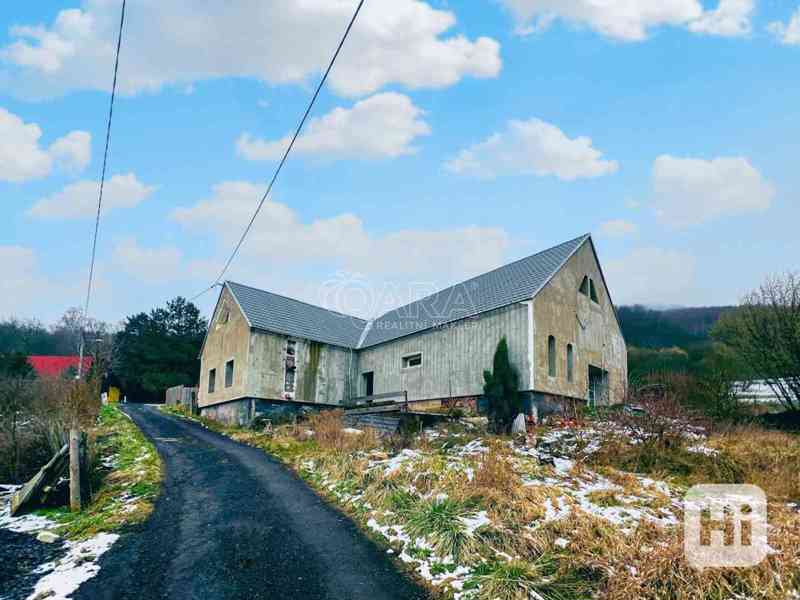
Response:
column 501, row 388
column 159, row 350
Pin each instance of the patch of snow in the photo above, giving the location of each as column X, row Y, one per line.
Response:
column 561, row 542
column 473, row 523
column 79, row 565
column 394, row 463
column 352, row 431
column 701, row 449
column 563, row 465
column 23, row 523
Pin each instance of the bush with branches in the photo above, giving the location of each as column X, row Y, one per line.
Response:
column 765, row 332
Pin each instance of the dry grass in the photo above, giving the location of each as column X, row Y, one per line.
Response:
column 578, row 556
column 329, row 433
column 769, row 459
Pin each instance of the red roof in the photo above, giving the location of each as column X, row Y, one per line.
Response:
column 56, row 365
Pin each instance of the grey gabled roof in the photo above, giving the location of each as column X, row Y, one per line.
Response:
column 515, row 282
column 279, row 314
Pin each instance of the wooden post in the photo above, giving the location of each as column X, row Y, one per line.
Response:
column 74, row 469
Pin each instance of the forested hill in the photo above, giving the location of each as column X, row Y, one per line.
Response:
column 649, row 328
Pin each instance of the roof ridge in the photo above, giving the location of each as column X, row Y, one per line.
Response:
column 583, row 237
column 336, row 312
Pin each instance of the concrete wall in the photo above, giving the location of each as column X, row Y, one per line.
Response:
column 225, row 341
column 562, row 311
column 453, row 358
column 322, row 373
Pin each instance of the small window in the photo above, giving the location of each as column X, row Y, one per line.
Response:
column 212, row 379
column 593, row 292
column 570, row 363
column 551, row 356
column 229, row 373
column 412, row 360
column 584, row 289
column 225, row 317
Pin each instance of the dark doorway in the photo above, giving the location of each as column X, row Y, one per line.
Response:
column 598, row 386
column 369, row 379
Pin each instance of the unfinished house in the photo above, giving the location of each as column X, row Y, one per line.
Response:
column 265, row 352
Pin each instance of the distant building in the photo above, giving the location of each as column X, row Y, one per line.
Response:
column 265, row 352
column 756, row 392
column 53, row 366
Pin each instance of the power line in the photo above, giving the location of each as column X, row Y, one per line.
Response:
column 102, row 186
column 285, row 154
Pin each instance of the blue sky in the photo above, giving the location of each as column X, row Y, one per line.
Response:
column 452, row 137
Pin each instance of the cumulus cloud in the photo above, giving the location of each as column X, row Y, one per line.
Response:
column 730, row 19
column 149, row 265
column 79, row 199
column 381, row 126
column 632, row 20
column 73, row 151
column 787, row 33
column 652, row 276
column 532, row 147
column 281, row 239
column 618, row 228
column 690, row 191
column 25, row 291
column 168, row 42
column 23, row 158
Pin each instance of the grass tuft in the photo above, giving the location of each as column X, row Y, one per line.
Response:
column 440, row 522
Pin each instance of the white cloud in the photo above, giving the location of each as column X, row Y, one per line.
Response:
column 632, row 20
column 22, row 158
column 689, row 191
column 381, row 126
column 282, row 41
column 787, row 33
column 281, row 244
column 73, row 152
column 25, row 291
column 532, row 147
column 150, row 265
column 730, row 19
column 618, row 228
column 652, row 276
column 79, row 199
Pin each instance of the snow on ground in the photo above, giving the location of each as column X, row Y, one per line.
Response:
column 61, row 578
column 553, row 461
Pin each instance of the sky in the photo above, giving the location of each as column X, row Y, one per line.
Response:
column 451, row 138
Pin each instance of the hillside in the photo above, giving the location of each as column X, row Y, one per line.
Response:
column 682, row 327
column 668, row 340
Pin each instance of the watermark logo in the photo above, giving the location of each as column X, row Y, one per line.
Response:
column 725, row 526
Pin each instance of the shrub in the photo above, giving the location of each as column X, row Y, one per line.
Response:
column 501, row 388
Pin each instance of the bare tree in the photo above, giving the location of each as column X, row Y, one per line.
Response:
column 15, row 393
column 765, row 332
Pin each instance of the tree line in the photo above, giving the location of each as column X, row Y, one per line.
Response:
column 144, row 355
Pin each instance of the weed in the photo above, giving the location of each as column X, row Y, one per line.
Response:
column 520, row 580
column 440, row 522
